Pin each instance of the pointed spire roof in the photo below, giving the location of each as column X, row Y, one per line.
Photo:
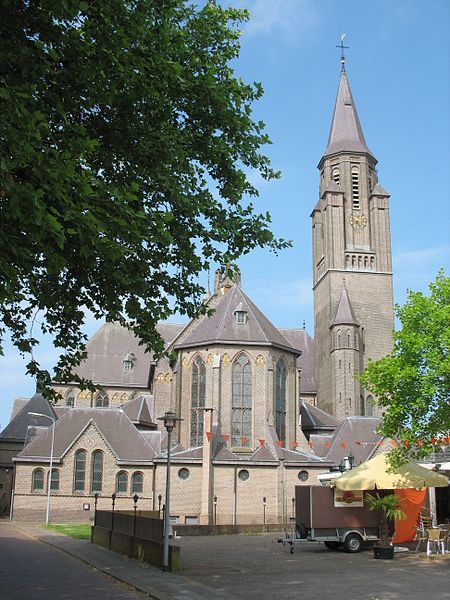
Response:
column 379, row 191
column 346, row 134
column 344, row 313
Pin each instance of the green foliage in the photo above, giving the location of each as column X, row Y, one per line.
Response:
column 126, row 142
column 81, row 531
column 413, row 384
column 389, row 509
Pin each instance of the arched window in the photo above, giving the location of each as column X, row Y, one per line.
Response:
column 97, row 471
column 198, row 392
column 369, row 406
column 355, row 188
column 80, row 471
column 137, row 483
column 280, row 400
column 70, row 398
column 101, row 400
column 122, row 482
column 335, row 175
column 338, row 339
column 38, row 480
column 348, row 338
column 241, row 416
column 362, row 406
column 54, row 484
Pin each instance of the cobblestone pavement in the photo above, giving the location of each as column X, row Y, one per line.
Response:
column 32, row 570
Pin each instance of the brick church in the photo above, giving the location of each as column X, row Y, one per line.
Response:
column 263, row 409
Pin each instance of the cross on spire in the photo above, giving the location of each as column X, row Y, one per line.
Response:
column 341, row 46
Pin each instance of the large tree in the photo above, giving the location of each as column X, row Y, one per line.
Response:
column 413, row 384
column 126, row 141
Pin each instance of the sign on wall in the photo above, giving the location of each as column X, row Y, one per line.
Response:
column 347, row 498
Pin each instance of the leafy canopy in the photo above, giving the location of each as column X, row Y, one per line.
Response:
column 125, row 145
column 413, row 384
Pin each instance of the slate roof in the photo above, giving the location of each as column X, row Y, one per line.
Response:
column 346, row 134
column 17, row 428
column 332, row 187
column 109, row 346
column 125, row 441
column 300, row 339
column 138, row 411
column 351, row 431
column 222, row 328
column 344, row 312
column 17, row 406
column 313, row 418
column 379, row 191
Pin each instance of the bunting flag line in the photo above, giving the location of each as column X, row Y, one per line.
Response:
column 394, row 444
column 406, row 444
column 226, row 437
column 280, row 444
column 310, row 444
column 262, row 442
column 358, row 443
column 243, row 440
column 343, row 445
column 327, row 445
column 420, row 443
column 295, row 444
column 209, row 435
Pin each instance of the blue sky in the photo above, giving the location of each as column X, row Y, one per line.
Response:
column 398, row 70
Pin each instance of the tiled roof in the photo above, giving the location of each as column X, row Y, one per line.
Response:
column 300, row 339
column 125, row 441
column 108, row 348
column 138, row 410
column 18, row 426
column 222, row 326
column 346, row 134
column 379, row 191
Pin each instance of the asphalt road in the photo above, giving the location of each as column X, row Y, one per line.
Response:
column 256, row 568
column 33, row 570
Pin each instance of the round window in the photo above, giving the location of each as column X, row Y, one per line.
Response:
column 243, row 474
column 303, row 476
column 183, row 473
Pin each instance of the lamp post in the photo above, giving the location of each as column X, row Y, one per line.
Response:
column 34, row 414
column 215, row 510
column 264, row 510
column 169, row 420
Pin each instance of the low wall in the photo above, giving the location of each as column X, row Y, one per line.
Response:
column 185, row 530
column 144, row 550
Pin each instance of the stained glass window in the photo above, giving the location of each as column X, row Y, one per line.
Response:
column 137, row 483
column 122, row 482
column 97, row 471
column 80, row 471
column 198, row 393
column 54, row 483
column 38, row 480
column 102, row 400
column 241, row 416
column 280, row 400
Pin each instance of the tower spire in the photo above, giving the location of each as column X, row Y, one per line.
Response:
column 341, row 46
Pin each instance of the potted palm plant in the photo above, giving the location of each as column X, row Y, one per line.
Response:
column 388, row 507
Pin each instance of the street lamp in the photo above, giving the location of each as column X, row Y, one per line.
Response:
column 169, row 420
column 34, row 414
column 215, row 510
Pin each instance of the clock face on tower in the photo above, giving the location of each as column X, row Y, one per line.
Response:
column 357, row 220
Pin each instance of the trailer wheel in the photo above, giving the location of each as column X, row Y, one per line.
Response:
column 353, row 543
column 300, row 531
column 332, row 545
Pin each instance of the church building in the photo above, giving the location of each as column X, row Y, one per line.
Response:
column 262, row 409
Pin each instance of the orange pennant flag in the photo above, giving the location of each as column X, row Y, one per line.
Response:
column 226, row 437
column 209, row 435
column 295, row 444
column 243, row 440
column 344, row 445
column 262, row 442
column 434, row 441
column 358, row 443
column 327, row 445
column 394, row 444
column 420, row 443
column 310, row 444
column 405, row 443
column 280, row 443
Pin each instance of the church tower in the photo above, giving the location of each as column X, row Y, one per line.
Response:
column 352, row 264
